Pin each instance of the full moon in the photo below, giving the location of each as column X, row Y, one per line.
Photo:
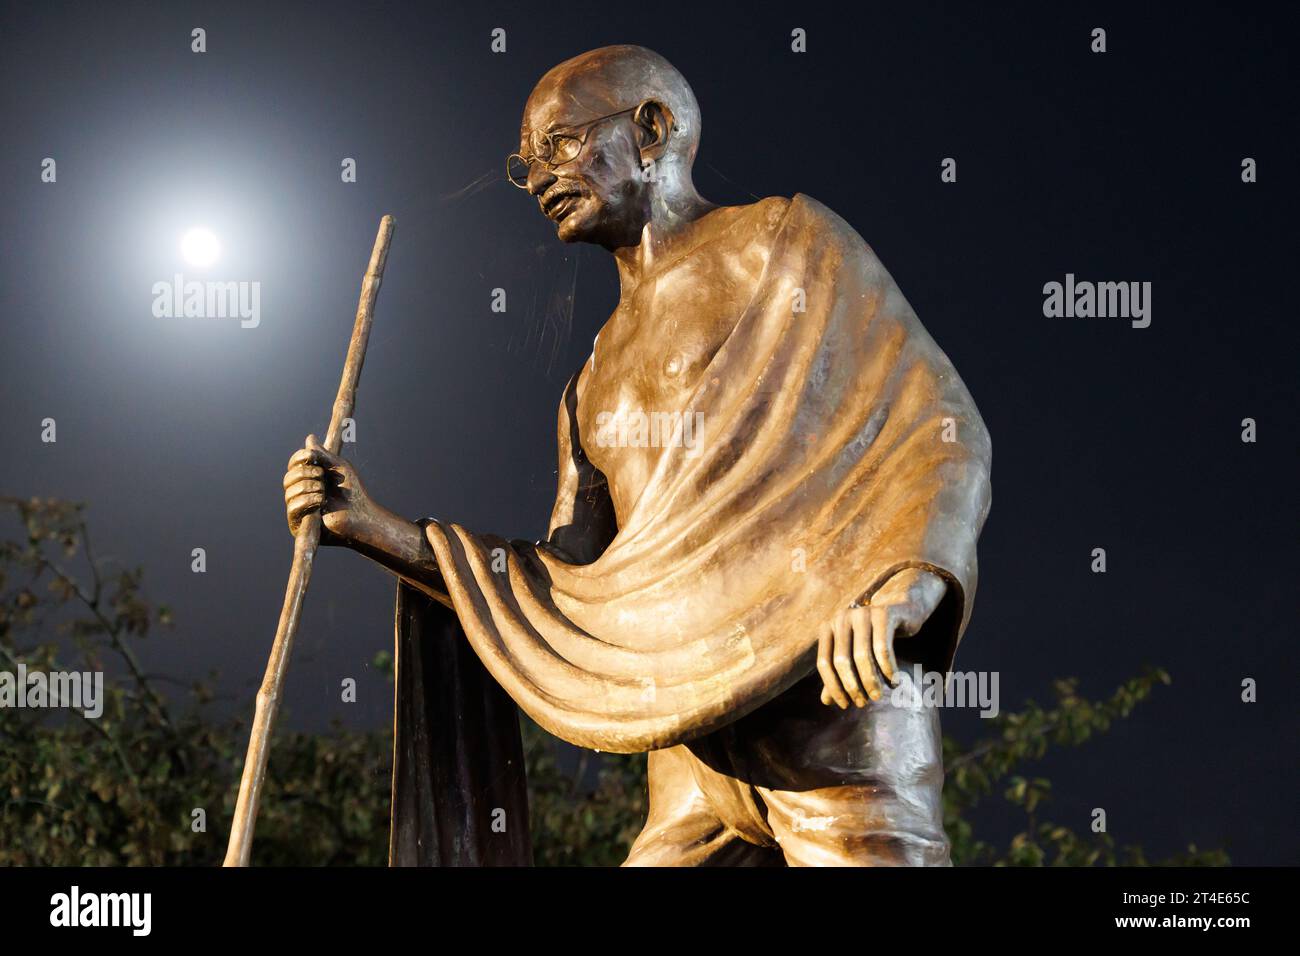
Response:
column 200, row 247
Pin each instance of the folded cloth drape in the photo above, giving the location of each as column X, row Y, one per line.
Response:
column 838, row 446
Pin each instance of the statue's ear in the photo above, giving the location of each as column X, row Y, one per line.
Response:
column 655, row 121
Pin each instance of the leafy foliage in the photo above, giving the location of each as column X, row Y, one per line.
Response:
column 973, row 774
column 574, row 823
column 143, row 786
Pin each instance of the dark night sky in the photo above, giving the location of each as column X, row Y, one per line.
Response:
column 1123, row 166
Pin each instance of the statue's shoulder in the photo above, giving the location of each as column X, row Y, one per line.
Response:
column 807, row 211
column 767, row 216
column 763, row 220
column 810, row 223
column 737, row 234
column 770, row 212
column 800, row 221
column 745, row 221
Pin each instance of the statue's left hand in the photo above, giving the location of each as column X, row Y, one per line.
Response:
column 855, row 650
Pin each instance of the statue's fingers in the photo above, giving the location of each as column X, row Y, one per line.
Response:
column 830, row 682
column 303, row 504
column 301, row 457
column 882, row 642
column 306, row 486
column 843, row 659
column 860, row 622
column 318, row 454
column 297, row 473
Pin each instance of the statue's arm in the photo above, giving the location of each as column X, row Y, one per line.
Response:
column 401, row 546
column 582, row 521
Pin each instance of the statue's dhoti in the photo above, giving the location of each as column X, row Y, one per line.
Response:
column 800, row 783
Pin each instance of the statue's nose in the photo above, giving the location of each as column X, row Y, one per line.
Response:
column 539, row 179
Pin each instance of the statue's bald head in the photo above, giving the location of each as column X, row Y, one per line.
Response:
column 604, row 194
column 614, row 78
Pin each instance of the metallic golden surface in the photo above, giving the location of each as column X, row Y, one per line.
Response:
column 771, row 486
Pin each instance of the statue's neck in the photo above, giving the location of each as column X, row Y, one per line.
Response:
column 667, row 233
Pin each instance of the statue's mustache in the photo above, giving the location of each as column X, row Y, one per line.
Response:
column 558, row 191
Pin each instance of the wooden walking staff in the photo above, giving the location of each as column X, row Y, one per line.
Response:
column 304, row 550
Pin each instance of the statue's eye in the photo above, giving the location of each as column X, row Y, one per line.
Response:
column 541, row 146
column 566, row 148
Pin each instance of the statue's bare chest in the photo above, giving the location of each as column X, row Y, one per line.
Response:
column 651, row 354
column 658, row 346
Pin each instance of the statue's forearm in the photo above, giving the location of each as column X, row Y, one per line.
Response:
column 399, row 545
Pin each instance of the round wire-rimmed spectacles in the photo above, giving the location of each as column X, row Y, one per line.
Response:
column 555, row 147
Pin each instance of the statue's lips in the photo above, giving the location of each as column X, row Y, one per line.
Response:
column 560, row 203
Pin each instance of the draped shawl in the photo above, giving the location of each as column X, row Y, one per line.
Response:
column 838, row 447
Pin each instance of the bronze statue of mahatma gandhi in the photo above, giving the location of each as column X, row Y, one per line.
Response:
column 771, row 484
